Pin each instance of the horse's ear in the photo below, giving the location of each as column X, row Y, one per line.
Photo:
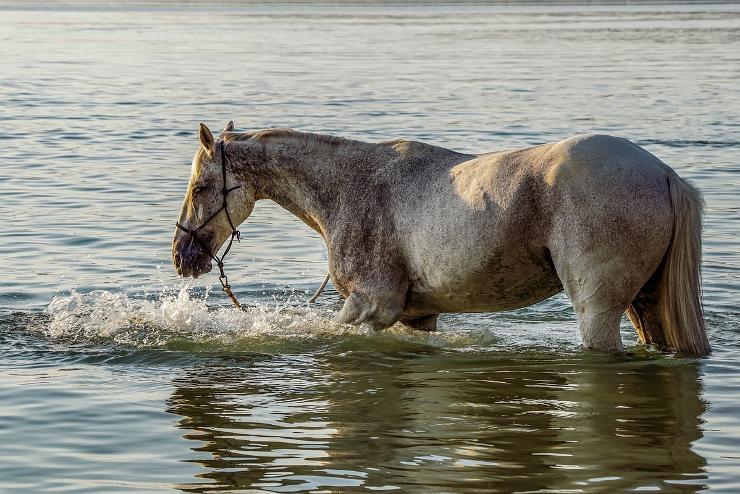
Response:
column 206, row 139
column 229, row 127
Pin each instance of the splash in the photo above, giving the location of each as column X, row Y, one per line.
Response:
column 169, row 320
column 183, row 322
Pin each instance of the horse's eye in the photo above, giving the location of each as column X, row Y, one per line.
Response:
column 198, row 190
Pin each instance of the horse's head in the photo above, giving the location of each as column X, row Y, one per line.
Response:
column 215, row 204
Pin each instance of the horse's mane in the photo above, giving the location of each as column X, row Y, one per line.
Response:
column 308, row 137
column 287, row 133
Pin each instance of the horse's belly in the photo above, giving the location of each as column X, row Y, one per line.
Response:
column 500, row 282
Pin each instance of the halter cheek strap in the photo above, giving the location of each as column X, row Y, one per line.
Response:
column 234, row 232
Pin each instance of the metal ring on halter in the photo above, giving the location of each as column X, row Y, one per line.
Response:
column 234, row 232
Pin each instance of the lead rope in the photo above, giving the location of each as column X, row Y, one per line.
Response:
column 321, row 289
column 222, row 277
column 225, row 286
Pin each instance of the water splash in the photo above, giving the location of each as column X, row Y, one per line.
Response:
column 107, row 316
column 183, row 322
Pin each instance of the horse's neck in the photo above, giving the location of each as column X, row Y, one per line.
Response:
column 307, row 175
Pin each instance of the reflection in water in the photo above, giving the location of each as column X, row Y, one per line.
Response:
column 457, row 422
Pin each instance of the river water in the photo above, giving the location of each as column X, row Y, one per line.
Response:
column 116, row 376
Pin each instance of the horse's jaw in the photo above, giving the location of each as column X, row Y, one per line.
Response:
column 195, row 268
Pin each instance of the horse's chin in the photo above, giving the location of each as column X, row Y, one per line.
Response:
column 202, row 267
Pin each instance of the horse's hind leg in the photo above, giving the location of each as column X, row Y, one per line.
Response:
column 600, row 291
column 599, row 326
column 644, row 312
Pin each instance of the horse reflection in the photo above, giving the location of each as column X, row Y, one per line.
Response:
column 493, row 423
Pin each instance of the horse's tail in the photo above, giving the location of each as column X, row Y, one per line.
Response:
column 680, row 282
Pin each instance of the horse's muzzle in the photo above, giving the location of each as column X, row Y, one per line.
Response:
column 189, row 258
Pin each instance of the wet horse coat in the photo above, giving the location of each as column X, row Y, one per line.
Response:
column 415, row 230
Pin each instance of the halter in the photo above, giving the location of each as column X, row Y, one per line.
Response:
column 234, row 232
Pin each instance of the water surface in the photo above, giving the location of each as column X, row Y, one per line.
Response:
column 116, row 376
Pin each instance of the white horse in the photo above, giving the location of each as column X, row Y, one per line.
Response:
column 414, row 230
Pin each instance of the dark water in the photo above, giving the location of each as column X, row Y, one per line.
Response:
column 116, row 376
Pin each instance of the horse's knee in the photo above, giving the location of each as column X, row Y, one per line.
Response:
column 379, row 312
column 426, row 323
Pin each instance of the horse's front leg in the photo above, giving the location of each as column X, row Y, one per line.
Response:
column 379, row 305
column 367, row 269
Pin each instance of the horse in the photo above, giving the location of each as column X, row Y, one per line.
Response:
column 414, row 230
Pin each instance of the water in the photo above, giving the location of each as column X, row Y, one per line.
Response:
column 116, row 376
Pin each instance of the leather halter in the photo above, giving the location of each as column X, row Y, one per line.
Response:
column 234, row 232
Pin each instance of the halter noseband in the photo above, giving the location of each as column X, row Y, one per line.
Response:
column 234, row 232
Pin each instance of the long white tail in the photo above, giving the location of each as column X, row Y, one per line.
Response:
column 680, row 284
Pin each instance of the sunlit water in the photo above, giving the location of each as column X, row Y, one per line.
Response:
column 116, row 376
